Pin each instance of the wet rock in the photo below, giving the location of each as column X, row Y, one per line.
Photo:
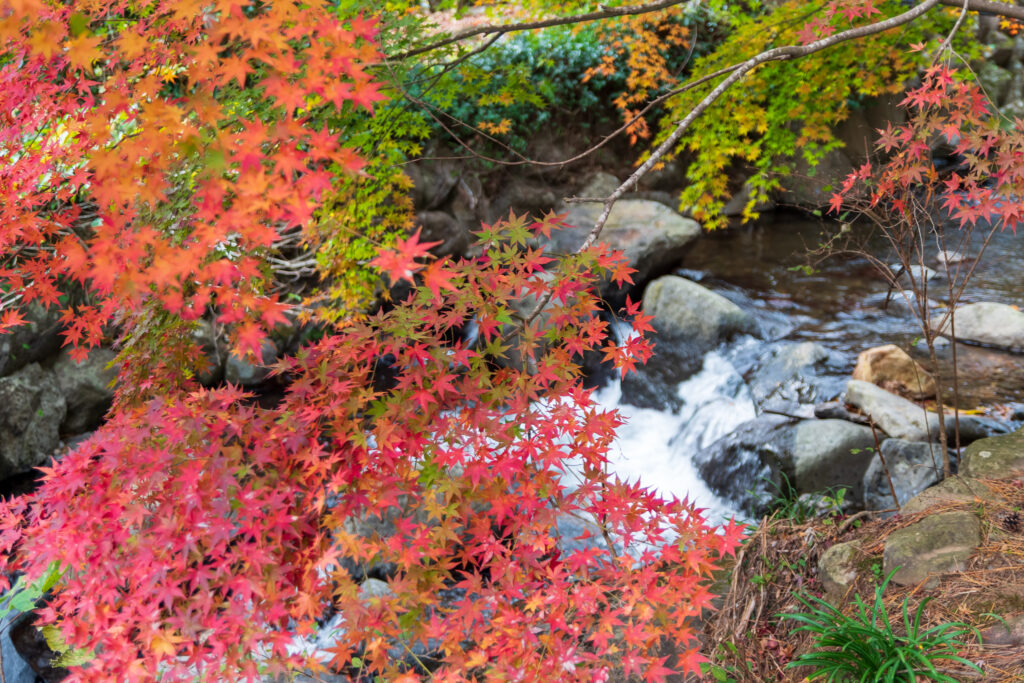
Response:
column 995, row 81
column 915, row 273
column 988, row 323
column 891, row 368
column 247, row 372
column 37, row 339
column 996, row 457
column 738, row 203
column 939, row 543
column 835, row 410
column 16, row 669
column 811, row 187
column 213, row 353
column 913, row 466
column 442, row 227
column 433, row 182
column 949, row 257
column 896, row 302
column 689, row 321
column 32, row 647
column 897, row 417
column 34, row 408
column 744, row 466
column 954, row 489
column 87, row 387
column 652, row 236
column 748, row 465
column 802, row 373
column 838, row 567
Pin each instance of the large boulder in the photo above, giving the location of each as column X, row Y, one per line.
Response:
column 988, row 323
column 811, row 187
column 997, row 457
column 652, row 236
column 891, row 368
column 838, row 567
column 33, row 409
column 912, row 466
column 938, row 543
column 37, row 339
column 748, row 465
column 954, row 490
column 87, row 387
column 249, row 371
column 897, row 417
column 689, row 321
column 796, row 372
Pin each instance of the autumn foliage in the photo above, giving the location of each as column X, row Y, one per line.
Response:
column 200, row 534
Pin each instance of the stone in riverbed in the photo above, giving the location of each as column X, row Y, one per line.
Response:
column 936, row 544
column 952, row 490
column 747, row 466
column 652, row 236
column 913, row 467
column 897, row 417
column 903, row 419
column 792, row 372
column 988, row 323
column 891, row 368
column 689, row 320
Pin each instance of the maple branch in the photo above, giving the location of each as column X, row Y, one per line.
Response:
column 501, row 29
column 1000, row 8
column 772, row 55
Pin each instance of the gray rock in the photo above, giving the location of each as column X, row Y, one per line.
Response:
column 16, row 669
column 839, row 566
column 939, row 543
column 247, row 372
column 213, row 351
column 896, row 302
column 34, row 408
column 748, row 465
column 87, row 387
column 1008, row 634
column 32, row 649
column 949, row 257
column 374, row 588
column 37, row 339
column 828, row 454
column 988, row 323
column 802, row 373
column 997, row 457
column 689, row 321
column 433, row 182
column 441, row 226
column 913, row 466
column 915, row 273
column 897, row 417
column 738, row 204
column 813, row 187
column 994, row 80
column 652, row 236
column 952, row 490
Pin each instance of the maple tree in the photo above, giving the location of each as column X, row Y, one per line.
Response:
column 158, row 159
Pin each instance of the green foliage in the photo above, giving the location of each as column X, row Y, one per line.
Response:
column 864, row 647
column 24, row 595
column 785, row 110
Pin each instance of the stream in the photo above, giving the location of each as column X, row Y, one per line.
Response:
column 840, row 304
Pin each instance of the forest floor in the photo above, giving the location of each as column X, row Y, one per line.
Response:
column 748, row 641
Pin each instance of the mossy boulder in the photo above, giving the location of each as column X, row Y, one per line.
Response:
column 939, row 543
column 838, row 567
column 997, row 457
column 955, row 489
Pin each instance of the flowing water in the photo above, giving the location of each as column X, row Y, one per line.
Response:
column 840, row 304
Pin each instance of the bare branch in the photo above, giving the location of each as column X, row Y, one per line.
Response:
column 606, row 13
column 1001, row 8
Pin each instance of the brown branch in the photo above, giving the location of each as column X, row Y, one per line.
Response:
column 1000, row 8
column 606, row 13
column 772, row 55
